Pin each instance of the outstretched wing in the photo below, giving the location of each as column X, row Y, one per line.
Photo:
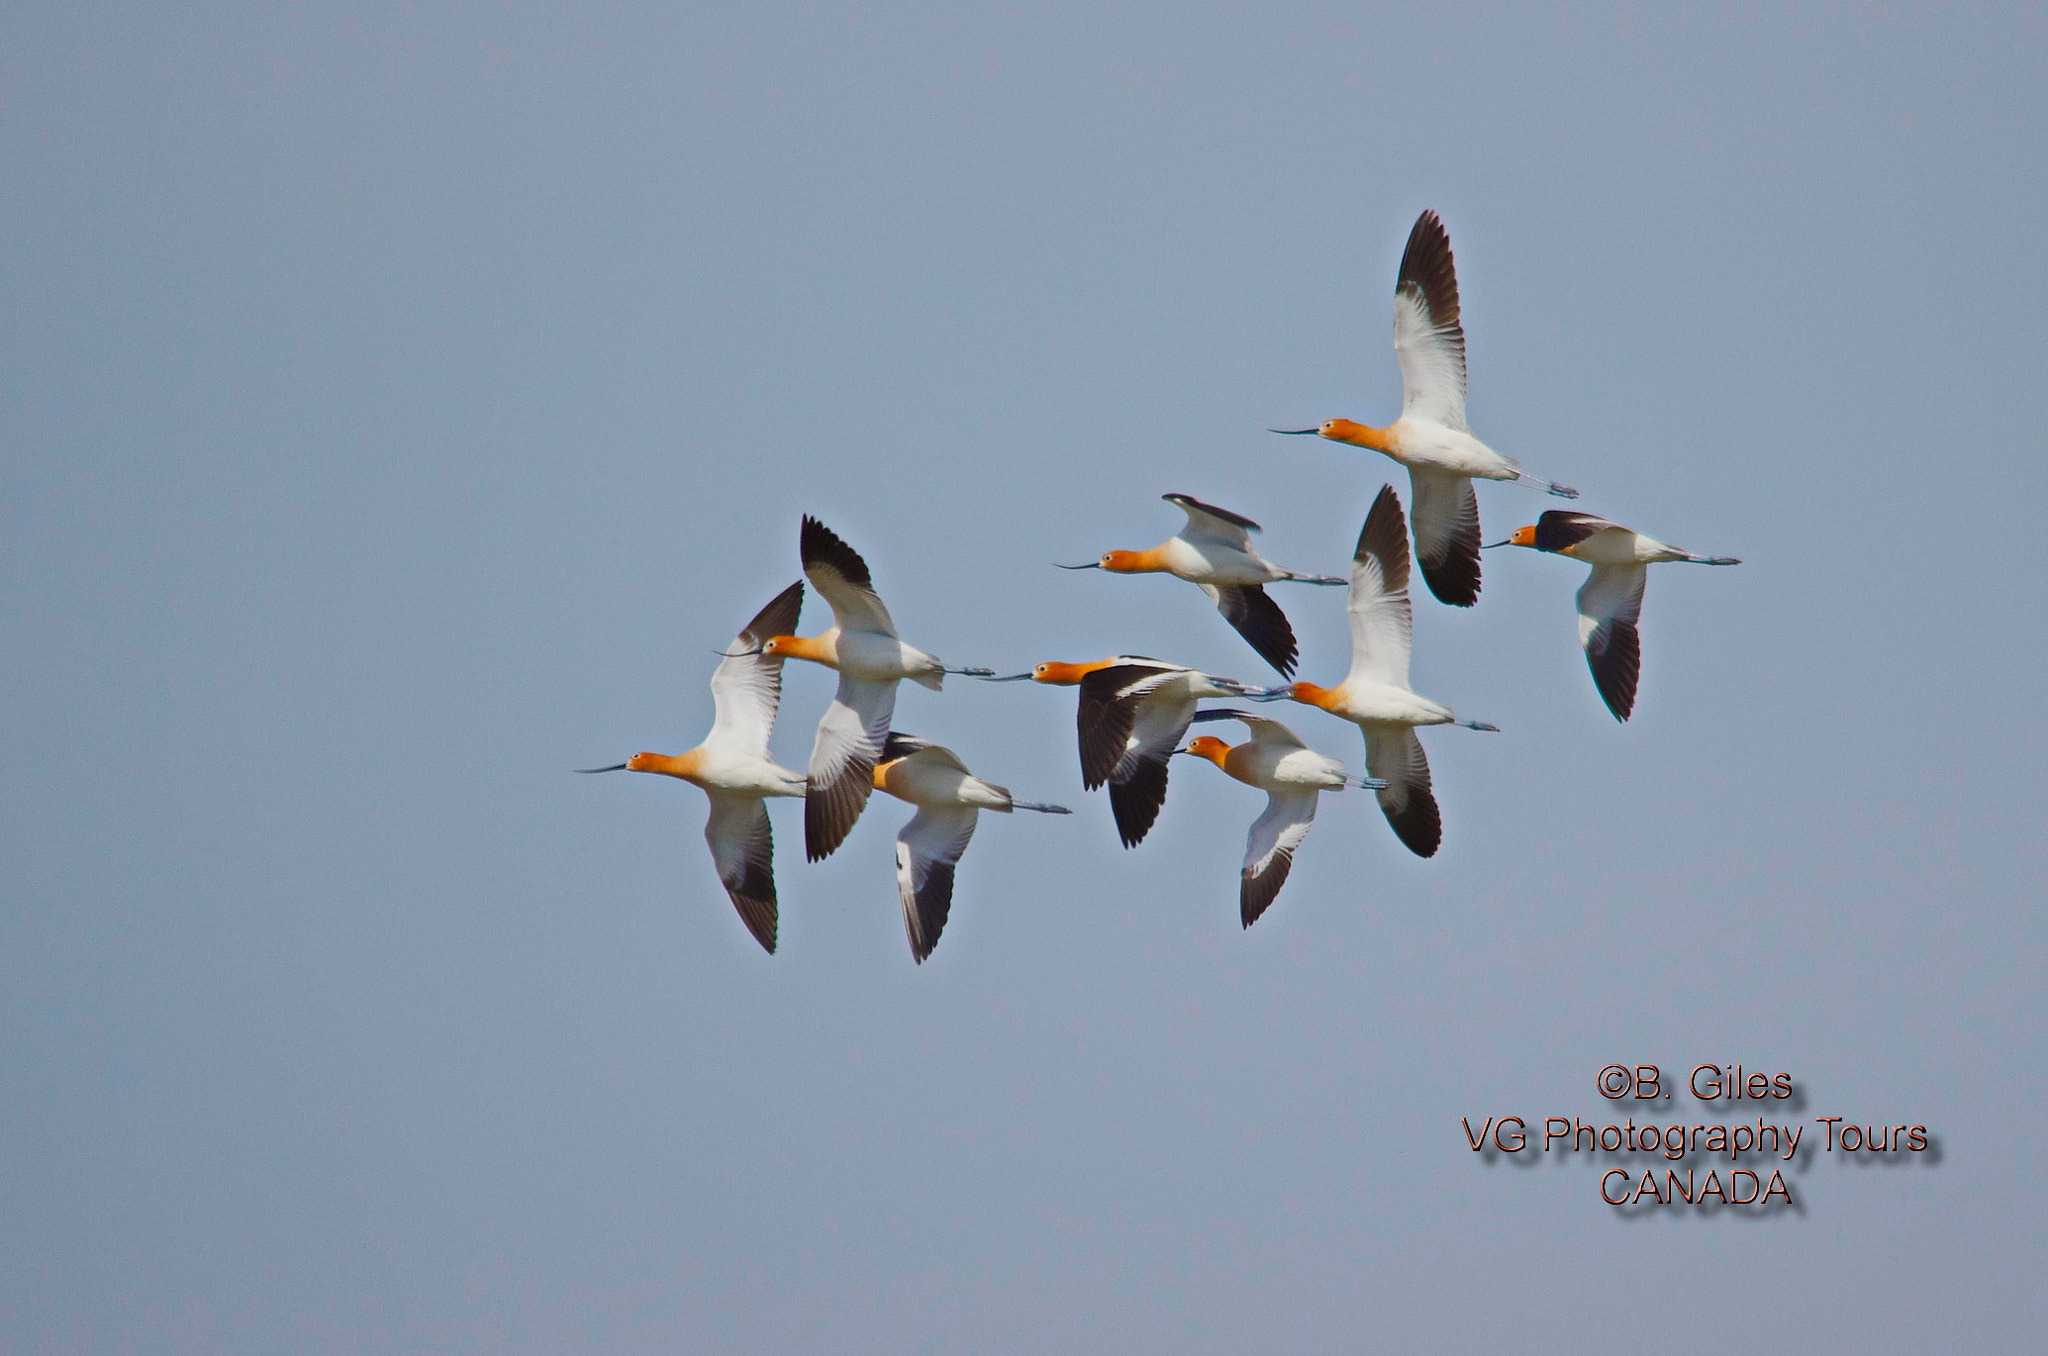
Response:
column 1610, row 602
column 1269, row 849
column 1210, row 525
column 926, row 851
column 1447, row 535
column 900, row 745
column 1134, row 801
column 1259, row 620
column 1108, row 716
column 1129, row 729
column 842, row 772
column 1429, row 341
column 841, row 578
column 743, row 850
column 1264, row 729
column 1382, row 619
column 746, row 687
column 1562, row 529
column 1406, row 799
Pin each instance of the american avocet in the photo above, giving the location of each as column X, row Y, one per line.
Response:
column 1215, row 551
column 733, row 767
column 1132, row 715
column 1292, row 775
column 863, row 647
column 1375, row 695
column 1431, row 438
column 1611, row 599
column 949, row 800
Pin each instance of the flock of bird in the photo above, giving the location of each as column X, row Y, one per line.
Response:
column 1135, row 711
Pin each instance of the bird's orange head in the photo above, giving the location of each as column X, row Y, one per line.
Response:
column 1357, row 434
column 1523, row 536
column 1065, row 675
column 1123, row 562
column 1209, row 747
column 794, row 647
column 1308, row 694
column 676, row 765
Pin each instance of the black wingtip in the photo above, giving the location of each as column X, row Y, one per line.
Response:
column 818, row 544
column 1614, row 653
column 1418, row 824
column 1135, row 802
column 1428, row 268
column 1256, row 617
column 1454, row 580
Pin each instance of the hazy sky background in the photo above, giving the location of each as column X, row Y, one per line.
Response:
column 403, row 400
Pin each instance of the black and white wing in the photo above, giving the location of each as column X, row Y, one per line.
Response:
column 1263, row 729
column 1562, row 529
column 1610, row 602
column 1128, row 730
column 1429, row 340
column 1406, row 799
column 1269, row 849
column 1382, row 619
column 746, row 687
column 927, row 850
column 841, row 579
column 842, row 772
column 1212, row 526
column 743, row 850
column 1259, row 620
column 1447, row 534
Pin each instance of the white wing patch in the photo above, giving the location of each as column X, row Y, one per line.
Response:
column 1432, row 362
column 926, row 851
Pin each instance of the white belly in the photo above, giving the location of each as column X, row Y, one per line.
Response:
column 876, row 658
column 1380, row 704
column 1213, row 564
column 1437, row 448
column 745, row 774
column 927, row 784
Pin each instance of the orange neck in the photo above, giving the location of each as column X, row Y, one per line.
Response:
column 1308, row 694
column 1151, row 561
column 817, row 649
column 682, row 765
column 1066, row 675
column 1358, row 435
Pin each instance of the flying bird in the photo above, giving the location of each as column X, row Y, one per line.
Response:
column 1293, row 776
column 1215, row 551
column 1375, row 695
column 1611, row 599
column 863, row 647
column 1132, row 715
column 949, row 800
column 1431, row 438
column 733, row 767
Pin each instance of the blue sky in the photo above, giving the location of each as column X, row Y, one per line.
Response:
column 404, row 400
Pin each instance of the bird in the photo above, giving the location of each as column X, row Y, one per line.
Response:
column 1431, row 437
column 1215, row 551
column 1375, row 694
column 1293, row 776
column 949, row 800
column 1133, row 713
column 733, row 766
column 1611, row 599
column 862, row 645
